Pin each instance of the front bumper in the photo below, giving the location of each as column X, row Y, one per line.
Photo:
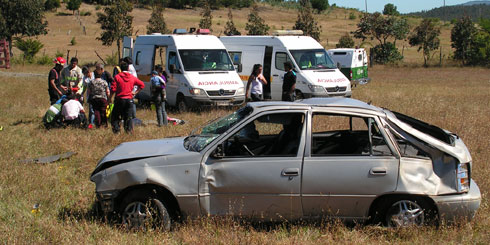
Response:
column 347, row 94
column 453, row 208
column 106, row 201
column 196, row 101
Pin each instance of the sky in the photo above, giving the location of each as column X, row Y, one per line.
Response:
column 403, row 6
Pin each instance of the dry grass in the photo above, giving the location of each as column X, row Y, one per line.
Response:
column 333, row 24
column 453, row 98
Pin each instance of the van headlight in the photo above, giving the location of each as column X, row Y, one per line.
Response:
column 463, row 177
column 240, row 91
column 316, row 88
column 196, row 91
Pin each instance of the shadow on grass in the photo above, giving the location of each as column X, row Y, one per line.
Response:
column 93, row 215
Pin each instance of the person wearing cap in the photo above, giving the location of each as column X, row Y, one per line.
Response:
column 55, row 89
column 289, row 83
column 71, row 76
column 158, row 95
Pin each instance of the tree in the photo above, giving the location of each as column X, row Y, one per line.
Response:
column 230, row 29
column 461, row 37
column 30, row 47
column 116, row 22
column 73, row 5
column 256, row 25
column 426, row 36
column 156, row 23
column 306, row 22
column 345, row 41
column 319, row 5
column 390, row 9
column 22, row 18
column 51, row 5
column 383, row 29
column 206, row 18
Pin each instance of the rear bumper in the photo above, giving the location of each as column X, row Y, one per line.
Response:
column 198, row 101
column 360, row 81
column 453, row 208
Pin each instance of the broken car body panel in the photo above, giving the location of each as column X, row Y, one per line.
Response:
column 286, row 160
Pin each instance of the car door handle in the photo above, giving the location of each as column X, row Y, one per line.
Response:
column 290, row 172
column 377, row 171
column 275, row 75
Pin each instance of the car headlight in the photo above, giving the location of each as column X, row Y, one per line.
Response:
column 196, row 91
column 463, row 177
column 316, row 88
column 240, row 91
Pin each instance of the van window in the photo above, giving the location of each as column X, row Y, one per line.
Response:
column 206, row 60
column 281, row 57
column 137, row 61
column 359, row 57
column 236, row 57
column 339, row 53
column 172, row 60
column 160, row 57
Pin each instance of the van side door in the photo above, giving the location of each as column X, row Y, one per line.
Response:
column 143, row 62
column 280, row 56
column 175, row 76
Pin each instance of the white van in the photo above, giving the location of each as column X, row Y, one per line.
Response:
column 199, row 69
column 353, row 62
column 316, row 74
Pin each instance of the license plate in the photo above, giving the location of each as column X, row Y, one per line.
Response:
column 222, row 103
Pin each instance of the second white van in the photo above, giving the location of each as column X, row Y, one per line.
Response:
column 316, row 73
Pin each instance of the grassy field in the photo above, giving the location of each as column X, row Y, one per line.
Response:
column 457, row 99
column 334, row 23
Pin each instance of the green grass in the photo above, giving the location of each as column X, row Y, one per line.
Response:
column 457, row 99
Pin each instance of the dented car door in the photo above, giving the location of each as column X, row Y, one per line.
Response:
column 255, row 171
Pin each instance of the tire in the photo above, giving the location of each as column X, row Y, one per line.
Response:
column 143, row 210
column 181, row 104
column 299, row 95
column 406, row 212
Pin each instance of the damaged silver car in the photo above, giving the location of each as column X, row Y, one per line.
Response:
column 309, row 159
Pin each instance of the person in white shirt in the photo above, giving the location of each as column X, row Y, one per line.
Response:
column 73, row 112
column 255, row 84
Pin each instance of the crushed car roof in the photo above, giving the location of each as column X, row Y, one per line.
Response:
column 321, row 102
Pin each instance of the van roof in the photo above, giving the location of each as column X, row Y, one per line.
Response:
column 181, row 41
column 345, row 49
column 289, row 42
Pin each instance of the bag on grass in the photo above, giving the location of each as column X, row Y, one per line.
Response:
column 108, row 111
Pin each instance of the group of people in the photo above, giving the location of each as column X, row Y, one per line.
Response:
column 256, row 82
column 70, row 87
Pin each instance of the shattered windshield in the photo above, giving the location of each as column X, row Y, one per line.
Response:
column 312, row 59
column 202, row 136
column 206, row 60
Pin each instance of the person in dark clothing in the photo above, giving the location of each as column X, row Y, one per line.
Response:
column 104, row 75
column 289, row 83
column 122, row 90
column 55, row 89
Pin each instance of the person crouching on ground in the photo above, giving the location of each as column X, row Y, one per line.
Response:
column 158, row 95
column 122, row 90
column 53, row 118
column 99, row 93
column 73, row 113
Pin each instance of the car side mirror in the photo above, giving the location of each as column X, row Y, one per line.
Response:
column 219, row 152
column 172, row 68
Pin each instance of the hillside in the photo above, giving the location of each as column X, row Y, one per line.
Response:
column 475, row 9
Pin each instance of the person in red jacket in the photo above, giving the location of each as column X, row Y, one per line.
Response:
column 122, row 90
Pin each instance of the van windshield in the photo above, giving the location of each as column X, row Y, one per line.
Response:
column 206, row 60
column 312, row 59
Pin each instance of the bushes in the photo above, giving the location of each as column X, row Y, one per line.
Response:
column 345, row 41
column 386, row 53
column 30, row 47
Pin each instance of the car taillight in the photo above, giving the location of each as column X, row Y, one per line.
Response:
column 463, row 177
column 350, row 74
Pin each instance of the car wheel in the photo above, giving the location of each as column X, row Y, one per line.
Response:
column 299, row 95
column 141, row 210
column 181, row 104
column 408, row 212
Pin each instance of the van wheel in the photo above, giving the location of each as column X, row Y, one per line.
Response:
column 408, row 211
column 181, row 104
column 299, row 95
column 141, row 210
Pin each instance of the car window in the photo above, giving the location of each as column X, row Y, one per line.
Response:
column 408, row 149
column 172, row 60
column 335, row 134
column 277, row 134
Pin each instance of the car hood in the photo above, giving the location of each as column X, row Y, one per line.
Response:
column 130, row 151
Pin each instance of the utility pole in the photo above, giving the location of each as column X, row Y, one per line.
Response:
column 365, row 2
